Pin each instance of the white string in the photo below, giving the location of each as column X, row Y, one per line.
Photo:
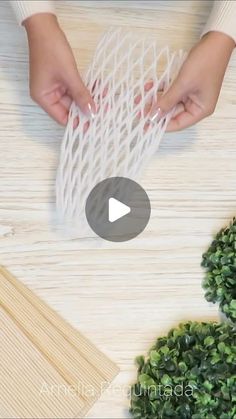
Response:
column 116, row 142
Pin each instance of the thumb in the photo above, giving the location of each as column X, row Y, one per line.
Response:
column 80, row 94
column 167, row 101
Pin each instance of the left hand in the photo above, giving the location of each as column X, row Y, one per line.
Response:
column 196, row 89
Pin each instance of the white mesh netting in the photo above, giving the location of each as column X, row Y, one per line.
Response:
column 117, row 142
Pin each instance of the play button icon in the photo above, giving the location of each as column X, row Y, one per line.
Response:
column 118, row 209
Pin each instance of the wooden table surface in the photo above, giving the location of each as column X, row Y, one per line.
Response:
column 121, row 295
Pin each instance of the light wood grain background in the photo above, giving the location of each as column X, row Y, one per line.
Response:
column 123, row 295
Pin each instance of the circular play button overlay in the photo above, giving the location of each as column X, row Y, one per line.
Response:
column 118, row 209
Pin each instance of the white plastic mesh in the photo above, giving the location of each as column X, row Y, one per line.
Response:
column 116, row 142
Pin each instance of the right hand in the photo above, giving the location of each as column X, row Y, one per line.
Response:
column 54, row 79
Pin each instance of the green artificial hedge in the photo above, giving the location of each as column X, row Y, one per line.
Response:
column 220, row 262
column 190, row 373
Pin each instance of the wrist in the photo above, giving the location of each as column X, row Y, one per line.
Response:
column 220, row 40
column 41, row 24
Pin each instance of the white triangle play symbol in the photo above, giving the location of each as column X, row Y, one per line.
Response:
column 116, row 210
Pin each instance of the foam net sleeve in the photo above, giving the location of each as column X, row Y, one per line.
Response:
column 119, row 141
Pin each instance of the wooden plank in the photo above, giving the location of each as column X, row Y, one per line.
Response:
column 63, row 350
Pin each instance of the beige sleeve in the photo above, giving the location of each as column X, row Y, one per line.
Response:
column 222, row 18
column 26, row 8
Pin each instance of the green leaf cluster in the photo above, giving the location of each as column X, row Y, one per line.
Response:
column 200, row 357
column 220, row 263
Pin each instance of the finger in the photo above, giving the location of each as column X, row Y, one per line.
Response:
column 192, row 114
column 66, row 101
column 59, row 95
column 105, row 91
column 86, row 126
column 183, row 120
column 150, row 107
column 147, row 108
column 179, row 108
column 161, row 86
column 81, row 95
column 167, row 101
column 57, row 111
column 96, row 86
column 147, row 87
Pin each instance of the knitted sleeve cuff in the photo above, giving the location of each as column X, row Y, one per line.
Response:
column 26, row 8
column 222, row 18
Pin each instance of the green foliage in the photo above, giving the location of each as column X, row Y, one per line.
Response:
column 220, row 262
column 190, row 373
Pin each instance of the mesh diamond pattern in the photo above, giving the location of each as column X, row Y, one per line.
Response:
column 118, row 142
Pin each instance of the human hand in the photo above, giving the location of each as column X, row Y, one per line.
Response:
column 54, row 78
column 195, row 91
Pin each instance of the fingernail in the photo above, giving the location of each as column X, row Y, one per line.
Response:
column 91, row 111
column 156, row 115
